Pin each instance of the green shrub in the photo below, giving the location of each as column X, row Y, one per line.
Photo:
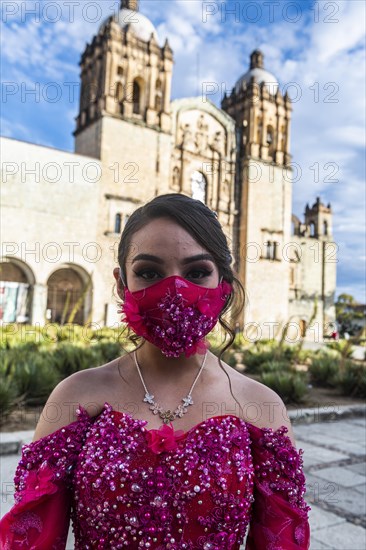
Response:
column 105, row 333
column 230, row 358
column 253, row 361
column 265, row 344
column 323, row 370
column 35, row 378
column 8, row 390
column 304, row 355
column 8, row 393
column 15, row 334
column 107, row 350
column 344, row 347
column 239, row 343
column 67, row 358
column 275, row 365
column 291, row 387
column 289, row 352
column 351, row 380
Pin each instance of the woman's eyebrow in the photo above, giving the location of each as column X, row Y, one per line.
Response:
column 148, row 257
column 157, row 260
column 197, row 257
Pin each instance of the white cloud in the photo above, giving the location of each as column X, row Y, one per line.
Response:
column 16, row 130
column 353, row 136
column 32, row 41
column 341, row 27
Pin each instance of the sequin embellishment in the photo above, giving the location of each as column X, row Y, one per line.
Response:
column 201, row 494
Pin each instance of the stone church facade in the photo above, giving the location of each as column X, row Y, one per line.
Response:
column 63, row 212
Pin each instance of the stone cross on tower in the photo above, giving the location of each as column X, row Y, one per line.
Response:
column 130, row 4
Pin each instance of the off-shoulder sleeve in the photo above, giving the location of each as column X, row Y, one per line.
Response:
column 279, row 513
column 40, row 517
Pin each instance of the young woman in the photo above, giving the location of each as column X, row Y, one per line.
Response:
column 183, row 468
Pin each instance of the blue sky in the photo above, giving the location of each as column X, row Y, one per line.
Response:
column 315, row 49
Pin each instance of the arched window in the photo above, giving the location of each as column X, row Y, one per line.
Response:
column 119, row 97
column 120, row 71
column 158, row 96
column 259, row 130
column 176, row 178
column 271, row 250
column 136, row 97
column 119, row 92
column 117, row 223
column 15, row 291
column 65, row 292
column 283, row 139
column 312, row 229
column 127, row 217
column 198, row 186
column 325, row 227
column 270, row 141
column 269, row 135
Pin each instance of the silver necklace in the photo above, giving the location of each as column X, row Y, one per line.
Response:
column 167, row 415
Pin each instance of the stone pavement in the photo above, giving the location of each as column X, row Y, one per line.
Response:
column 335, row 469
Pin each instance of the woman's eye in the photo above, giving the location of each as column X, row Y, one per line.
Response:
column 147, row 274
column 198, row 274
column 152, row 275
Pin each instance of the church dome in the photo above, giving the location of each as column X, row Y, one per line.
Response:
column 138, row 23
column 260, row 75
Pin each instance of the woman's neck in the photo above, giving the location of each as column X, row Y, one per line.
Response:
column 155, row 366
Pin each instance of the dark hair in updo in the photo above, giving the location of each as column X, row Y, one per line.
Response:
column 202, row 224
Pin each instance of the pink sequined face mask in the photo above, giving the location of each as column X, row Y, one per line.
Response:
column 174, row 314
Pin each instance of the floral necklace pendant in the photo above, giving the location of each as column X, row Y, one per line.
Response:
column 167, row 416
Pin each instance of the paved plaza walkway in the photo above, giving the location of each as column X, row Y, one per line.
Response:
column 335, row 468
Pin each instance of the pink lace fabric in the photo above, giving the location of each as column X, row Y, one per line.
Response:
column 125, row 486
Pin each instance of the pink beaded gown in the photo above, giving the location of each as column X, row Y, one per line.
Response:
column 124, row 486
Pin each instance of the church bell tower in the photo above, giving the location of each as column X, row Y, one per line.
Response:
column 263, row 191
column 125, row 74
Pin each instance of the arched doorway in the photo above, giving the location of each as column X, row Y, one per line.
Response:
column 68, row 295
column 198, row 186
column 136, row 98
column 16, row 285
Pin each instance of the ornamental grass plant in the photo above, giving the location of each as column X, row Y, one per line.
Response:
column 291, row 387
column 351, row 379
column 35, row 359
column 323, row 369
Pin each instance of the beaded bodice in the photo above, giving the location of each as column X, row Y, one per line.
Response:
column 125, row 489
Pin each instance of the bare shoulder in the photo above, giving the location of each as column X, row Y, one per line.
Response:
column 77, row 389
column 263, row 407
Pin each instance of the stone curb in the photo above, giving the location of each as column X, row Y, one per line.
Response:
column 12, row 442
column 331, row 413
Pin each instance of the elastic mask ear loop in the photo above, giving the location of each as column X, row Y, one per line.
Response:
column 221, row 278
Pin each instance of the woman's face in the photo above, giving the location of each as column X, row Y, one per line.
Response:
column 163, row 248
